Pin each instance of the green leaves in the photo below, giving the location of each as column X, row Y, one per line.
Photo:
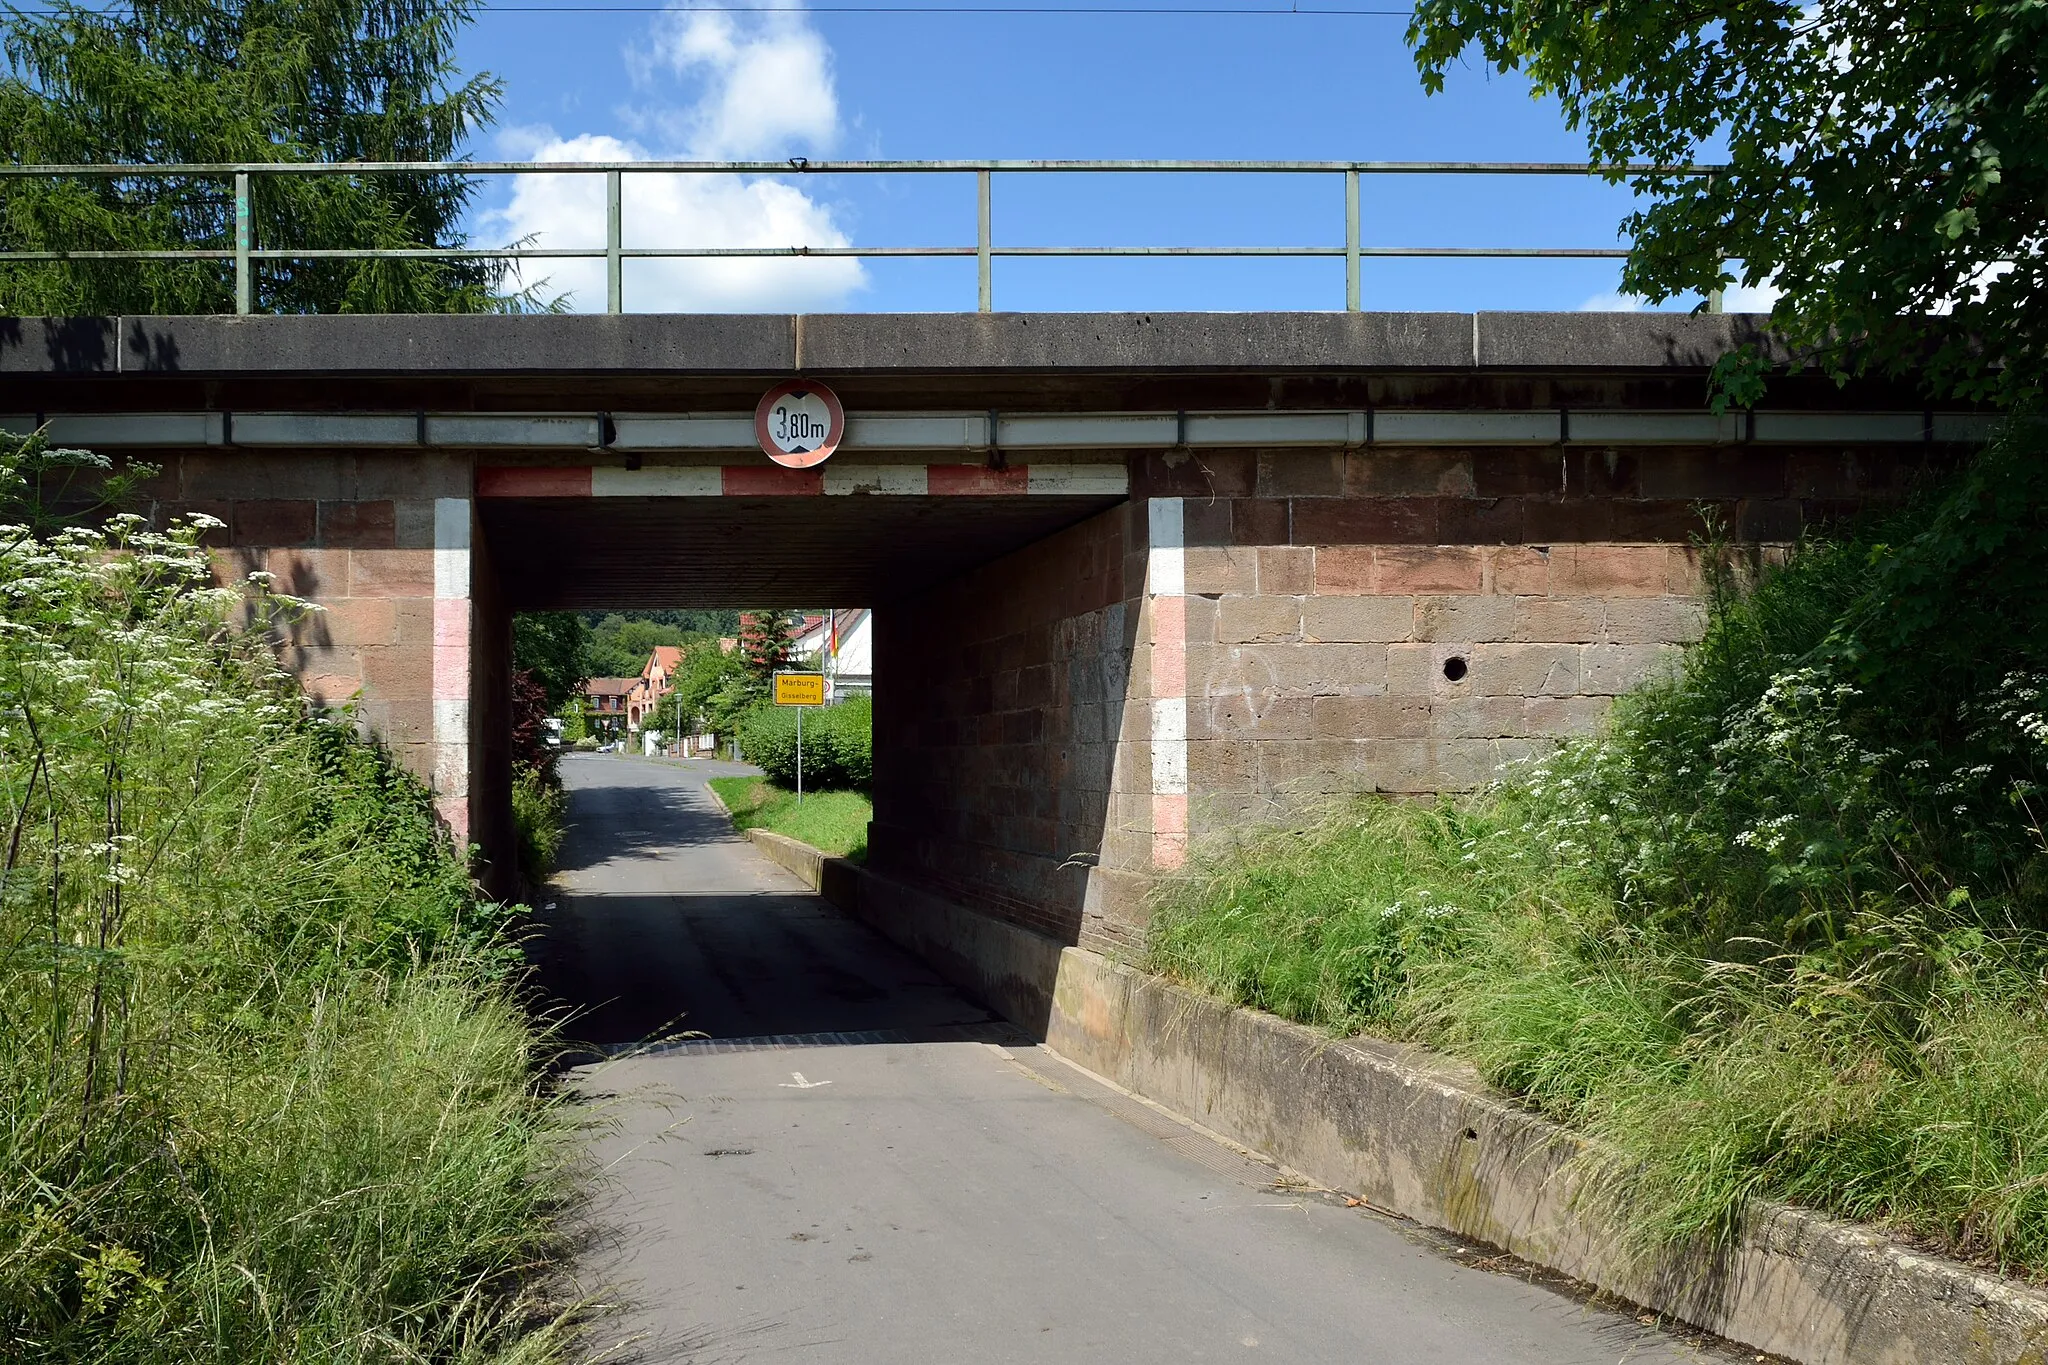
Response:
column 213, row 81
column 1885, row 169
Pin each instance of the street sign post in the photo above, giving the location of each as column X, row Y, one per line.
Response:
column 799, row 423
column 799, row 690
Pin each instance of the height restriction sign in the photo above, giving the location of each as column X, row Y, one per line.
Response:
column 799, row 423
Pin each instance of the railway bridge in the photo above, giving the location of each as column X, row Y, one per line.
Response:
column 1138, row 578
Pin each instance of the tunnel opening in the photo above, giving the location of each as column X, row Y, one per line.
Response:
column 1001, row 652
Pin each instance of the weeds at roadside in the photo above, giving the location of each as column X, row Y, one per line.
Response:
column 1780, row 931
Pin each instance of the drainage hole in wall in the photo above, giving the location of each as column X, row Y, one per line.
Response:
column 1454, row 668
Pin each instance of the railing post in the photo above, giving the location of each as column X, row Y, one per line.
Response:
column 1351, row 289
column 245, row 232
column 614, row 244
column 984, row 243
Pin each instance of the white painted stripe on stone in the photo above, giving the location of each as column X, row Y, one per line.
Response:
column 659, row 481
column 1166, row 563
column 1169, row 746
column 897, row 480
column 451, row 547
column 1092, row 480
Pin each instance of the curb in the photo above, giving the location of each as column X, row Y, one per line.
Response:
column 1420, row 1135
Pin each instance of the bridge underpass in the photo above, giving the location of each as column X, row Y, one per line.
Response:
column 1138, row 578
column 1137, row 581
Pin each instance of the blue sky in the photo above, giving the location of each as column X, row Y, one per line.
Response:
column 703, row 84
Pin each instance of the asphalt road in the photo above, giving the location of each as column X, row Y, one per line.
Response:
column 898, row 1177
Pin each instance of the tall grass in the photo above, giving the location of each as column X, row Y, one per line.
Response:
column 1779, row 931
column 264, row 1092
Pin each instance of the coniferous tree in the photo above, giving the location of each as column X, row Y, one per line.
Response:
column 214, row 81
column 767, row 642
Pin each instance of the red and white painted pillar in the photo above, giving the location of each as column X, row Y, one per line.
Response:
column 452, row 664
column 1166, row 593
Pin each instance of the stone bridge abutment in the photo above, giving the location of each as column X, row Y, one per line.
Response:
column 1139, row 580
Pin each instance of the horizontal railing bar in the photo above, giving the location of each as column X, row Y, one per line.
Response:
column 784, row 252
column 225, row 168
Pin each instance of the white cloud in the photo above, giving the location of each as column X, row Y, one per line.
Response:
column 1737, row 298
column 760, row 88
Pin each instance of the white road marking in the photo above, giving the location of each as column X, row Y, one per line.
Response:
column 801, row 1084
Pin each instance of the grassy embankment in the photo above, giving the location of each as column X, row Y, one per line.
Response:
column 1778, row 931
column 835, row 821
column 265, row 1094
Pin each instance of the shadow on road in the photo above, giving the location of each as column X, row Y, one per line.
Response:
column 663, row 923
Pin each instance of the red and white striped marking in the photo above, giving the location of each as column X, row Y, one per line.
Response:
column 451, row 664
column 766, row 480
column 1167, row 604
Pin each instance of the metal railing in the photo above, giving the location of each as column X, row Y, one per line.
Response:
column 1354, row 252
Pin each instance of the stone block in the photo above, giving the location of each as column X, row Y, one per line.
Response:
column 274, row 522
column 1345, row 569
column 1465, row 619
column 1186, row 474
column 1301, row 473
column 1518, row 670
column 1427, row 569
column 1610, row 570
column 1385, row 717
column 1517, row 472
column 1358, row 620
column 1407, row 472
column 1715, row 472
column 1653, row 620
column 1222, row 569
column 1261, row 521
column 1563, row 717
column 1768, row 519
column 1364, row 521
column 1396, row 765
column 1467, row 764
column 1563, row 620
column 1222, row 765
column 1302, row 670
column 318, row 575
column 1522, row 571
column 413, row 475
column 1602, row 472
column 1244, row 620
column 1611, row 670
column 1568, row 521
column 397, row 673
column 1256, row 717
column 299, row 476
column 1286, row 569
column 1480, row 717
column 362, row 622
column 1412, row 671
column 359, row 525
column 391, row 573
column 1482, row 521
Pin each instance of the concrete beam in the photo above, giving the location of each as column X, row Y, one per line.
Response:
column 871, row 343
